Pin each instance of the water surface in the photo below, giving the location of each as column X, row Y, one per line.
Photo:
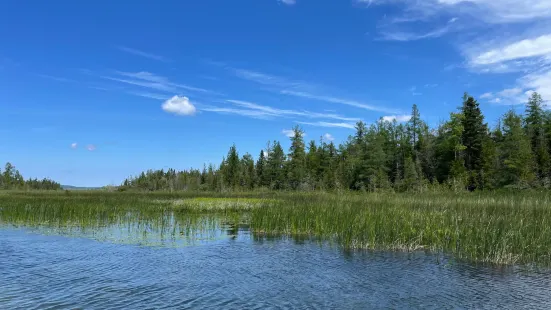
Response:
column 206, row 262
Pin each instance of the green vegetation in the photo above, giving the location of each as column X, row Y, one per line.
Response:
column 493, row 227
column 461, row 154
column 10, row 178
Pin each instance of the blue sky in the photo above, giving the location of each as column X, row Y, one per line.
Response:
column 94, row 91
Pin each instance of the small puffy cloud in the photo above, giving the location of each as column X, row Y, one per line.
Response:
column 328, row 137
column 74, row 145
column 398, row 118
column 179, row 106
column 91, row 147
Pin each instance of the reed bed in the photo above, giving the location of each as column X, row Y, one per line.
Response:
column 495, row 227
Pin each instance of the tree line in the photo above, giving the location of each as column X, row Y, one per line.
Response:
column 462, row 153
column 10, row 178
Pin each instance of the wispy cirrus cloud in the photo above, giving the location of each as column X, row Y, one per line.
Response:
column 142, row 53
column 288, row 2
column 531, row 57
column 152, row 81
column 494, row 37
column 266, row 79
column 150, row 95
column 397, row 35
column 523, row 49
column 416, row 20
column 254, row 110
column 488, row 11
column 55, row 78
column 329, row 124
column 338, row 100
column 301, row 89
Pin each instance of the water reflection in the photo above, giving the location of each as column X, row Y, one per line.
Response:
column 53, row 260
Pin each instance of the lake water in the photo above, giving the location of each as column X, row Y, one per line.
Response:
column 216, row 266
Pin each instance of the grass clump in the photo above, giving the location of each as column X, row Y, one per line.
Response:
column 488, row 227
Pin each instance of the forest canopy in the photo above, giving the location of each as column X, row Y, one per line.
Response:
column 10, row 178
column 462, row 153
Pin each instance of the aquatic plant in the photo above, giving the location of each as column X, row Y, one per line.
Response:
column 495, row 227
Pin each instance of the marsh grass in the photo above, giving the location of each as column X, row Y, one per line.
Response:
column 499, row 227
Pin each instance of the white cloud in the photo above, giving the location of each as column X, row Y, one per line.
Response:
column 288, row 2
column 74, row 145
column 150, row 95
column 288, row 132
column 331, row 99
column 274, row 112
column 301, row 89
column 431, row 85
column 179, row 106
column 328, row 124
column 254, row 110
column 266, row 79
column 490, row 11
column 142, row 53
column 91, row 147
column 409, row 36
column 436, row 18
column 510, row 92
column 242, row 112
column 526, row 48
column 398, row 118
column 153, row 81
column 539, row 81
column 486, row 96
column 328, row 137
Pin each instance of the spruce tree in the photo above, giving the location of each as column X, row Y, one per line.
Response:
column 232, row 168
column 473, row 136
column 535, row 129
column 276, row 166
column 313, row 163
column 516, row 153
column 261, row 175
column 297, row 159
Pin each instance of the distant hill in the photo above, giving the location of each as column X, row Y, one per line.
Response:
column 70, row 187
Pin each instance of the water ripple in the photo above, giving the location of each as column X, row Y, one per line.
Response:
column 53, row 272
